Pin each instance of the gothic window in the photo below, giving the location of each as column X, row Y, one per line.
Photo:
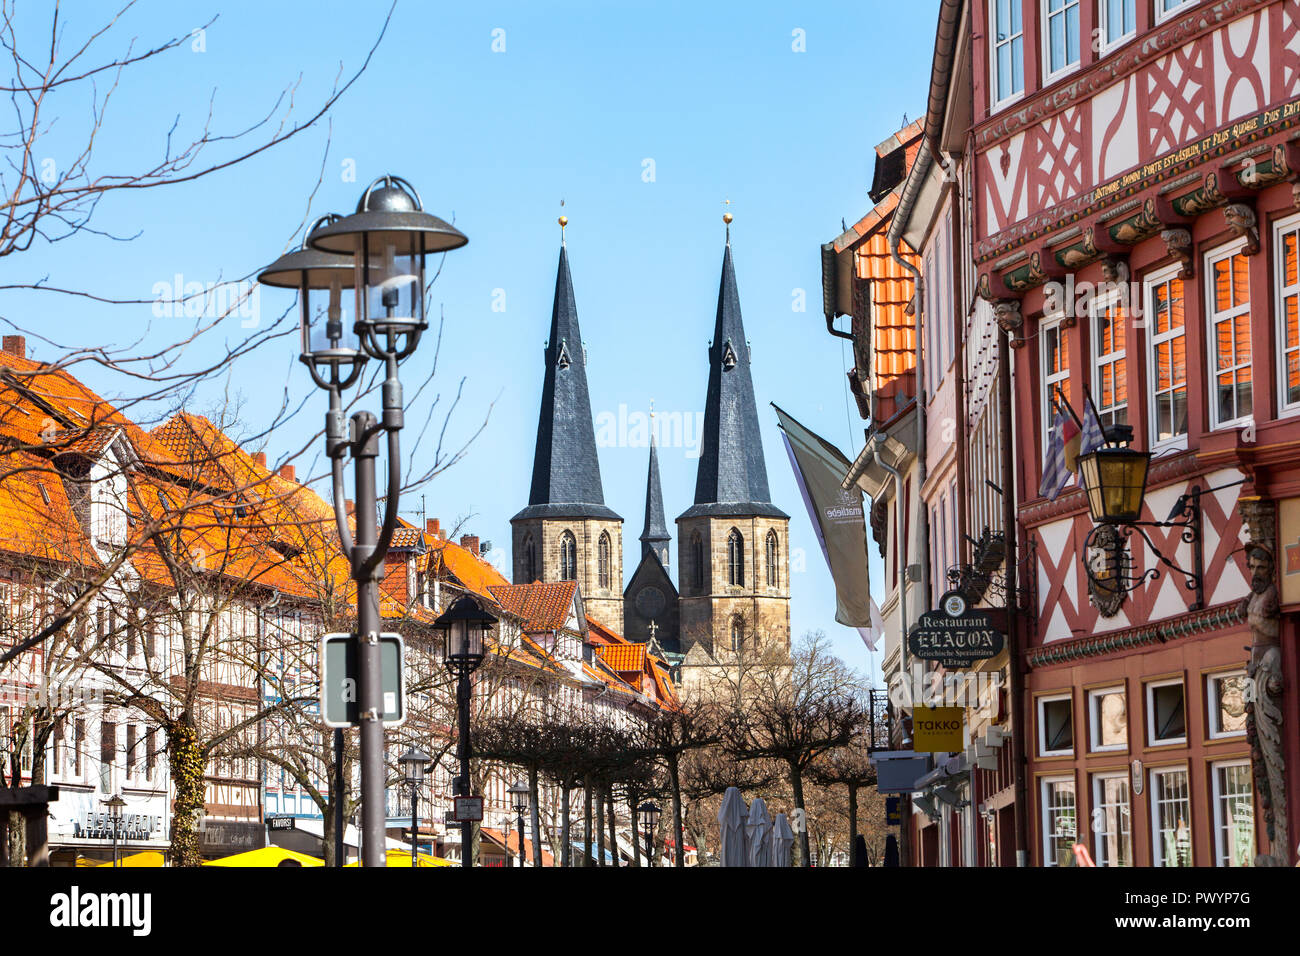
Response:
column 772, row 552
column 568, row 557
column 530, row 560
column 737, row 633
column 603, row 552
column 697, row 559
column 735, row 559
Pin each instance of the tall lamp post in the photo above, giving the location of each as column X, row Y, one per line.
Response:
column 115, row 803
column 464, row 625
column 519, row 792
column 385, row 242
column 413, row 763
column 649, row 812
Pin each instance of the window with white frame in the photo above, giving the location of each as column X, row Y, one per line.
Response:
column 1055, row 725
column 1055, row 372
column 1112, row 820
column 1060, row 37
column 1226, row 695
column 1108, row 718
column 1109, row 361
column 1166, row 714
column 1008, row 53
column 1171, row 817
column 1168, row 8
column 1118, row 22
column 1167, row 359
column 1059, row 819
column 1234, row 813
column 1286, row 247
column 1227, row 280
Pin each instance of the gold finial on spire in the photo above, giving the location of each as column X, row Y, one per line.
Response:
column 652, row 409
column 563, row 221
column 727, row 217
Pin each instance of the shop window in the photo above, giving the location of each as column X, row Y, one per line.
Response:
column 1226, row 696
column 1108, row 719
column 1112, row 820
column 1166, row 713
column 1171, row 817
column 1055, row 726
column 1234, row 814
column 1059, row 818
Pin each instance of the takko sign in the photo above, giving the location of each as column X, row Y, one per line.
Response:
column 954, row 636
column 937, row 730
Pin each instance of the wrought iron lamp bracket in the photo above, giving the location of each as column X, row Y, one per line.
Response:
column 1185, row 515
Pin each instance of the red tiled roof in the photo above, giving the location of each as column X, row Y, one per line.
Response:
column 31, row 527
column 511, row 844
column 624, row 657
column 543, row 607
column 470, row 570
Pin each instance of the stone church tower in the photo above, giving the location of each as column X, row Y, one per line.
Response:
column 567, row 532
column 733, row 543
column 650, row 603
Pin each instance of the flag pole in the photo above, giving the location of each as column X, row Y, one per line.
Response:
column 1060, row 401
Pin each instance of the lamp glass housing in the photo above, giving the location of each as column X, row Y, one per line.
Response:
column 519, row 791
column 1115, row 479
column 464, row 642
column 413, row 763
column 326, row 318
column 390, row 283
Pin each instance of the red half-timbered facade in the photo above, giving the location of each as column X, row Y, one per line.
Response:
column 1136, row 220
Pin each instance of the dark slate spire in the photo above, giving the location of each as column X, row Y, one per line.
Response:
column 654, row 536
column 732, row 476
column 566, row 471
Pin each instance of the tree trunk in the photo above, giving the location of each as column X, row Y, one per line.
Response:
column 599, row 798
column 16, row 839
column 613, row 826
column 186, row 759
column 796, row 783
column 536, row 816
column 853, row 827
column 679, row 856
column 566, row 856
column 636, row 838
column 586, row 828
column 327, row 839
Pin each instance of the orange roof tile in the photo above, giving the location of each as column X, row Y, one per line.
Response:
column 471, row 571
column 624, row 657
column 36, row 517
column 542, row 606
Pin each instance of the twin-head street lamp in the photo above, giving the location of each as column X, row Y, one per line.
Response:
column 649, row 812
column 413, row 763
column 379, row 252
column 115, row 805
column 465, row 627
column 1114, row 478
column 519, row 794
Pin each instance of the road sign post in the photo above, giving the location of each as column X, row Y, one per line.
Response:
column 340, row 680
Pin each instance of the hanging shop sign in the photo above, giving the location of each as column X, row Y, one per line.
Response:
column 956, row 636
column 937, row 730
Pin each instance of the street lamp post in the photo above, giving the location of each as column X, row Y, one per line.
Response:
column 413, row 763
column 464, row 625
column 649, row 811
column 385, row 242
column 115, row 803
column 519, row 791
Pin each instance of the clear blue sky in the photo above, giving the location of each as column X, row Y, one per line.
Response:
column 583, row 94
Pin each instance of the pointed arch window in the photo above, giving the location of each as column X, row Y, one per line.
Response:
column 568, row 557
column 737, row 633
column 735, row 558
column 773, row 552
column 530, row 560
column 697, row 559
column 604, row 551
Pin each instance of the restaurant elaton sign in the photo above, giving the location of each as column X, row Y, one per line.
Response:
column 955, row 636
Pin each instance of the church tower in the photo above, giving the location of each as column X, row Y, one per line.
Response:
column 650, row 611
column 567, row 533
column 733, row 543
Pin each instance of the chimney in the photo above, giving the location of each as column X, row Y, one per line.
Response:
column 287, row 472
column 260, row 458
column 15, row 345
column 349, row 506
column 470, row 543
column 432, row 526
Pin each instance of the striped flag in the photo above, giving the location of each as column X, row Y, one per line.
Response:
column 1092, row 437
column 1055, row 474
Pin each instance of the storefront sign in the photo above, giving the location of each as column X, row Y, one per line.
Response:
column 132, row 826
column 893, row 811
column 467, row 809
column 955, row 636
column 937, row 730
column 1288, row 534
column 226, row 837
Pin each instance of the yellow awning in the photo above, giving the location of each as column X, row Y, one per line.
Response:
column 403, row 858
column 267, row 856
column 144, row 858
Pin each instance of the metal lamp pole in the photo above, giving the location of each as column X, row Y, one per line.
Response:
column 384, row 245
column 464, row 626
column 519, row 790
column 413, row 763
column 650, row 811
column 115, row 804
